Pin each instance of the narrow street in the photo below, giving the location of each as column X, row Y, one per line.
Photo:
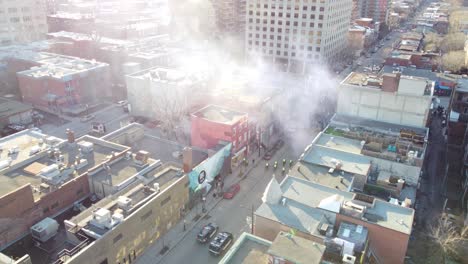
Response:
column 233, row 216
column 430, row 196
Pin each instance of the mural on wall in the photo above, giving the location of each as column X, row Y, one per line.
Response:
column 202, row 176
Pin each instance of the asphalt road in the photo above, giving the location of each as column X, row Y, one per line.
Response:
column 230, row 215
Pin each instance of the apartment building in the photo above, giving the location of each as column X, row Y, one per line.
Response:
column 392, row 98
column 378, row 230
column 61, row 81
column 294, row 34
column 22, row 21
column 230, row 16
column 375, row 9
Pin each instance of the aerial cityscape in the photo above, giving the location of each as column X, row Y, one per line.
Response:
column 233, row 131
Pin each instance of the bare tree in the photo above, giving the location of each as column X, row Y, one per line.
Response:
column 432, row 42
column 450, row 239
column 453, row 42
column 453, row 61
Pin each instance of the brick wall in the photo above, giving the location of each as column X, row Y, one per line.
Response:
column 207, row 134
column 19, row 211
column 389, row 245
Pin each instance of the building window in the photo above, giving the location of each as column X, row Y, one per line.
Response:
column 55, row 205
column 146, row 215
column 46, row 210
column 104, row 261
column 79, row 191
column 165, row 201
column 117, row 238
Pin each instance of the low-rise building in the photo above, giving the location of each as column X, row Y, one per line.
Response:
column 248, row 249
column 316, row 212
column 13, row 112
column 62, row 81
column 213, row 124
column 119, row 227
column 365, row 156
column 45, row 176
column 391, row 98
column 163, row 93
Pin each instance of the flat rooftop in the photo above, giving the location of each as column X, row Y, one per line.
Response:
column 24, row 141
column 14, row 177
column 345, row 121
column 382, row 213
column 58, row 66
column 81, row 36
column 120, row 171
column 295, row 249
column 331, row 158
column 363, row 79
column 140, row 193
column 10, row 107
column 248, row 249
column 158, row 148
column 340, row 180
column 219, row 114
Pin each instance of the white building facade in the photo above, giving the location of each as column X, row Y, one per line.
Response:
column 402, row 100
column 296, row 33
column 22, row 21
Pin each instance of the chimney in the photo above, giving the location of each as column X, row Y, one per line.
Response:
column 390, row 82
column 187, row 159
column 70, row 136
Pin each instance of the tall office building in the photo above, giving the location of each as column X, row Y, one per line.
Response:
column 22, row 21
column 296, row 33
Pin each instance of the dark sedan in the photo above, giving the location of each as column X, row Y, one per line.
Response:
column 207, row 232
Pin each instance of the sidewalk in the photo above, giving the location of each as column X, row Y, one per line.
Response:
column 176, row 234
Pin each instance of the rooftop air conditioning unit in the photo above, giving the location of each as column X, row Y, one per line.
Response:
column 45, row 229
column 124, row 203
column 348, row 259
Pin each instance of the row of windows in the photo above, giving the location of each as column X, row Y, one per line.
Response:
column 286, row 54
column 296, row 15
column 287, row 31
column 296, row 7
column 288, row 23
column 303, row 38
column 288, row 15
column 284, row 45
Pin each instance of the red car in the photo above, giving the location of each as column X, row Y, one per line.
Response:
column 232, row 191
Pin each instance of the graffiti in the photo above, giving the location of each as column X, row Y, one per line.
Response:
column 203, row 175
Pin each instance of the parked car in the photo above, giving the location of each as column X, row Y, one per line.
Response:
column 221, row 243
column 86, row 118
column 232, row 191
column 207, row 232
column 122, row 103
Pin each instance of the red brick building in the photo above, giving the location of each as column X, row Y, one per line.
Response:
column 63, row 80
column 212, row 124
column 42, row 182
